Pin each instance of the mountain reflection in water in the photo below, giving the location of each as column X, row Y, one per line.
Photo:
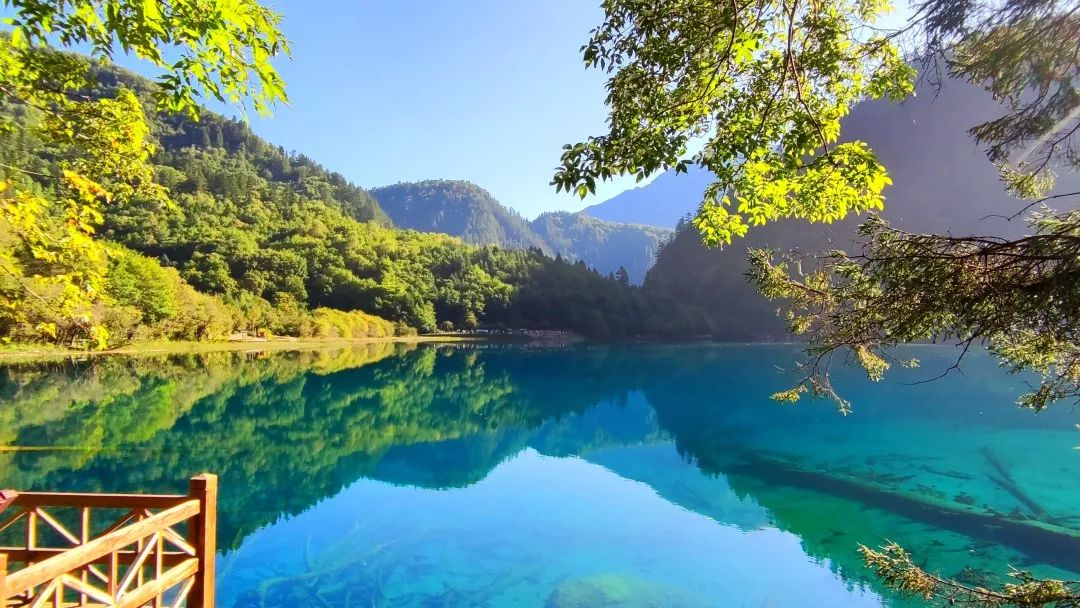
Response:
column 625, row 475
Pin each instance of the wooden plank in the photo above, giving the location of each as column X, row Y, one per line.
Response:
column 57, row 526
column 173, row 537
column 202, row 535
column 135, row 571
column 7, row 523
column 84, row 518
column 84, row 537
column 172, row 577
column 78, row 556
column 124, row 519
column 159, row 565
column 31, row 530
column 114, row 572
column 100, row 501
column 140, row 545
column 46, row 593
column 4, row 595
column 182, row 595
column 18, row 555
column 85, row 589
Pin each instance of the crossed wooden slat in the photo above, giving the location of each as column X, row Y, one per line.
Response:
column 45, row 583
column 138, row 560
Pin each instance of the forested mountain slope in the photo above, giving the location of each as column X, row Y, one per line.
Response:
column 301, row 175
column 270, row 236
column 457, row 208
column 465, row 210
column 941, row 182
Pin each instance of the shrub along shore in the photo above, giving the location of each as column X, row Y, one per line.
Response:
column 38, row 351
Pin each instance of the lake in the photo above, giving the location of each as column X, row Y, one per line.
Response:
column 488, row 475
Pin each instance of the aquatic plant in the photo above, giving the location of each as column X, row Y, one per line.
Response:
column 894, row 566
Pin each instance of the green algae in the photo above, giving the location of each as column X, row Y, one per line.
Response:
column 619, row 590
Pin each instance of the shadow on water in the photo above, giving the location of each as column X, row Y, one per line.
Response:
column 950, row 469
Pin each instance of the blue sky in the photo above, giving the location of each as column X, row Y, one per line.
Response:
column 486, row 90
column 385, row 91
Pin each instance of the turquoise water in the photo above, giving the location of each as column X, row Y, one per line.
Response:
column 580, row 476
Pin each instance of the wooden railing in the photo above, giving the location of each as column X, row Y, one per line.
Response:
column 117, row 550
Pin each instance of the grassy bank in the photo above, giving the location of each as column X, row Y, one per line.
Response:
column 48, row 351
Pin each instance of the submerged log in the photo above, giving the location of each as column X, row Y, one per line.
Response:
column 1003, row 478
column 948, row 473
column 1043, row 541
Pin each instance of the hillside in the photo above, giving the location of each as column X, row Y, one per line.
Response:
column 465, row 210
column 941, row 182
column 457, row 208
column 277, row 242
column 300, row 175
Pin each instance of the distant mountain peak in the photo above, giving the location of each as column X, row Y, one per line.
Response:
column 464, row 209
column 665, row 201
column 603, row 245
column 457, row 207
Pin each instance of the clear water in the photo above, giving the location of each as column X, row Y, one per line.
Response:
column 563, row 477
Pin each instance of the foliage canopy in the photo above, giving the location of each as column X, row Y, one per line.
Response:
column 765, row 85
column 104, row 144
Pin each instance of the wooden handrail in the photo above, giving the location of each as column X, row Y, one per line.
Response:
column 123, row 557
column 98, row 501
column 22, row 580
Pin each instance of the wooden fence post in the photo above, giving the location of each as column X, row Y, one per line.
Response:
column 202, row 534
column 6, row 498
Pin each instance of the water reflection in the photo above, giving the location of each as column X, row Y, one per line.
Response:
column 464, row 476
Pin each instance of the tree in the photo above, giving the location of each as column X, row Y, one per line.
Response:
column 141, row 282
column 104, row 143
column 764, row 84
column 622, row 277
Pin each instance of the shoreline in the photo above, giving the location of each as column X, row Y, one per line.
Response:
column 40, row 352
column 37, row 352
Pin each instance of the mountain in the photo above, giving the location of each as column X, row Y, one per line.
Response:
column 941, row 182
column 606, row 246
column 259, row 238
column 465, row 210
column 663, row 202
column 457, row 208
